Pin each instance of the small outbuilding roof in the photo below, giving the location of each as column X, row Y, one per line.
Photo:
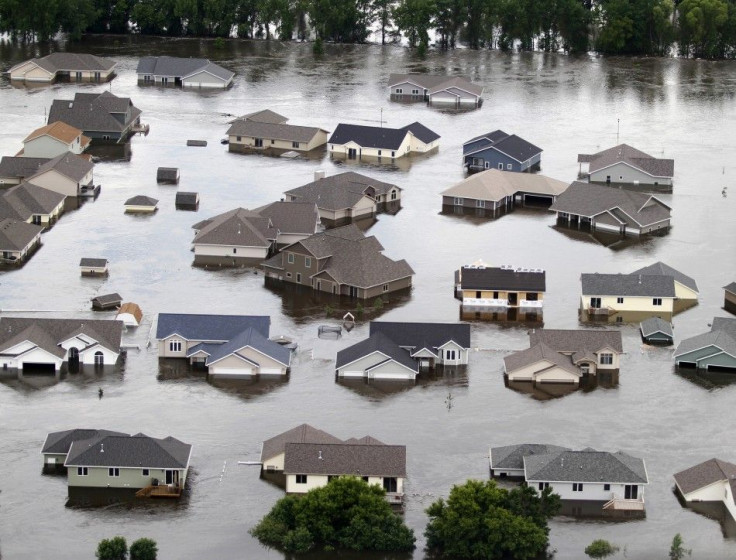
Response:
column 731, row 288
column 93, row 263
column 655, row 325
column 130, row 308
column 108, row 299
column 141, row 200
column 187, row 198
column 167, row 174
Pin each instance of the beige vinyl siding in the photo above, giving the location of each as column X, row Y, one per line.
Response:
column 231, row 364
column 133, row 478
column 55, row 181
column 319, row 139
column 204, row 80
column 46, row 146
column 134, row 209
column 624, row 173
column 632, row 303
column 31, row 74
column 239, row 251
column 683, row 292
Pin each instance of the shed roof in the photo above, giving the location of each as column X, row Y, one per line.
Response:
column 730, row 287
column 96, row 263
column 108, row 299
column 141, row 200
column 654, row 325
column 345, row 459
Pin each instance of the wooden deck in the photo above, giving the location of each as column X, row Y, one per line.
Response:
column 160, row 491
column 621, row 504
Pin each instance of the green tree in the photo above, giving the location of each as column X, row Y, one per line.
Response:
column 112, row 549
column 414, row 18
column 481, row 521
column 677, row 549
column 347, row 513
column 600, row 548
column 143, row 549
column 701, row 25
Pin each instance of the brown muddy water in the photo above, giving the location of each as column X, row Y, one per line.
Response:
column 682, row 109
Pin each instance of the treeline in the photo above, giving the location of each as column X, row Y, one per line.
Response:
column 696, row 28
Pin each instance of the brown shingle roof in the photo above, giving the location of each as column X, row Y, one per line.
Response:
column 577, row 340
column 132, row 308
column 705, row 474
column 59, row 130
column 276, row 131
column 16, row 235
column 304, row 433
column 345, row 459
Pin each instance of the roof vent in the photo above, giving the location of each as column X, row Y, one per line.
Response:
column 102, row 448
column 71, row 104
column 319, row 174
column 320, row 456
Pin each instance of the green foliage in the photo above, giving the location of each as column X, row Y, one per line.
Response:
column 600, row 548
column 318, row 49
column 143, row 549
column 677, row 549
column 359, row 310
column 345, row 514
column 112, row 549
column 378, row 303
column 702, row 27
column 481, row 521
column 328, row 311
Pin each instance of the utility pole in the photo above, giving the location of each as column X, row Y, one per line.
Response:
column 618, row 126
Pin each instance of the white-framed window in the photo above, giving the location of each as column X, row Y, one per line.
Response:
column 301, row 479
column 145, row 472
column 500, row 165
column 459, row 201
column 82, row 471
column 480, row 203
column 399, row 90
column 619, row 300
column 393, row 153
column 606, row 359
column 290, row 258
column 393, row 195
column 508, row 166
column 657, row 301
column 295, row 144
column 175, row 346
column 113, row 472
column 379, row 152
column 450, row 354
column 385, row 287
column 307, row 262
column 298, row 277
column 415, row 92
column 577, row 486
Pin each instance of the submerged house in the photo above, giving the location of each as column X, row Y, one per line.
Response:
column 32, row 204
column 15, row 169
column 346, row 197
column 130, row 314
column 713, row 480
column 252, row 134
column 101, row 116
column 712, row 351
column 309, row 458
column 478, row 285
column 729, row 297
column 508, row 461
column 493, row 190
column 18, row 240
column 623, row 164
column 442, row 90
column 186, row 72
column 53, row 140
column 340, row 261
column 235, row 345
column 565, row 356
column 28, row 343
column 611, row 210
column 500, row 150
column 656, row 331
column 72, row 66
column 243, row 236
column 399, row 351
column 357, row 141
column 67, row 174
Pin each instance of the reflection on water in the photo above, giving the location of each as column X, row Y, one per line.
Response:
column 125, row 498
column 548, row 391
column 516, row 315
column 713, row 510
column 36, row 379
column 377, row 390
column 110, row 151
column 706, row 379
column 612, row 241
column 594, row 510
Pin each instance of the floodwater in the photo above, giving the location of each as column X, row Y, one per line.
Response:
column 682, row 109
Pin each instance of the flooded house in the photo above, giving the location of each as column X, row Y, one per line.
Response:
column 494, row 192
column 599, row 208
column 53, row 140
column 56, row 446
column 479, row 286
column 151, row 466
column 502, row 151
column 713, row 351
column 565, row 356
column 106, row 302
column 624, row 164
column 347, row 197
column 244, row 237
column 168, row 175
column 656, row 331
column 32, row 204
column 90, row 266
column 340, row 261
column 185, row 72
column 305, row 458
column 73, row 67
column 16, row 169
column 710, row 482
column 508, row 461
column 47, row 344
column 67, row 174
column 729, row 297
column 400, row 351
column 18, row 240
column 435, row 89
column 100, row 116
column 235, row 345
column 130, row 314
column 141, row 204
column 355, row 141
column 254, row 135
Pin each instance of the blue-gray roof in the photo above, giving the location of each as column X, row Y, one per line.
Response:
column 380, row 137
column 509, row 144
column 418, row 335
column 634, row 285
column 376, row 342
column 209, row 327
column 661, row 269
column 587, row 465
column 512, row 456
column 654, row 325
column 139, row 450
column 249, row 337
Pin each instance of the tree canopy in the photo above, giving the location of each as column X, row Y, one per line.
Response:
column 479, row 520
column 112, row 549
column 347, row 513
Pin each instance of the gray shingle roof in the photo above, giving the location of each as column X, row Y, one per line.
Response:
column 20, row 167
column 705, row 474
column 653, row 325
column 141, row 200
column 495, row 278
column 722, row 335
column 291, row 217
column 341, row 191
column 130, row 451
column 209, row 327
column 55, row 331
column 249, row 337
column 304, row 433
column 69, row 165
column 22, row 201
column 379, row 137
column 538, row 352
column 586, row 466
column 90, row 262
column 419, row 335
column 345, row 459
column 167, row 174
column 512, row 456
column 16, row 235
column 71, row 62
column 435, row 83
column 184, row 198
column 636, row 158
column 730, row 287
column 108, row 299
column 94, row 112
column 509, row 144
column 265, row 115
column 584, row 340
column 276, row 131
column 661, row 269
column 176, row 67
column 376, row 342
column 59, row 442
column 629, row 207
column 634, row 285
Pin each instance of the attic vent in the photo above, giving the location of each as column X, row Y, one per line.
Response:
column 320, row 456
column 102, row 448
column 71, row 104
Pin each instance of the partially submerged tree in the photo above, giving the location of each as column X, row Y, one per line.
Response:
column 112, row 549
column 600, row 548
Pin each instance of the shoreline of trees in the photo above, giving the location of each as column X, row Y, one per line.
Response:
column 690, row 28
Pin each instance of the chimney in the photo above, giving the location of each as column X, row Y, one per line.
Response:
column 319, row 174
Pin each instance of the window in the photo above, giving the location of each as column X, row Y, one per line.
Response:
column 450, row 354
column 543, row 485
column 82, row 471
column 393, row 153
column 37, row 219
column 293, row 144
column 298, row 277
column 290, row 258
column 379, row 152
column 239, row 138
column 399, row 91
column 606, row 487
column 577, row 486
column 606, row 359
column 97, row 76
column 393, row 195
column 301, row 479
column 500, row 165
column 79, row 75
column 365, row 478
column 235, row 250
column 415, row 92
column 595, row 302
column 385, row 287
column 259, row 142
column 164, row 81
column 508, row 166
column 619, row 300
column 459, row 201
column 480, row 203
column 307, row 262
column 144, row 472
column 113, row 471
column 147, row 78
column 390, row 484
column 657, row 301
column 175, row 346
